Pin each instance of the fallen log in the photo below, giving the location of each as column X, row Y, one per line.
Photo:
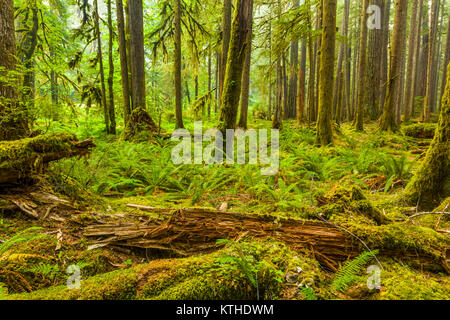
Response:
column 193, row 231
column 22, row 158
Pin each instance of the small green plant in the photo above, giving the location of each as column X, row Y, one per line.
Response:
column 349, row 273
column 308, row 294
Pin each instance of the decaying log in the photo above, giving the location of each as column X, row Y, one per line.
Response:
column 22, row 158
column 193, row 231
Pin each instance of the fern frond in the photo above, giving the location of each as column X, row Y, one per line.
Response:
column 348, row 274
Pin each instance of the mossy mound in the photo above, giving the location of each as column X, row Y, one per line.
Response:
column 420, row 130
column 350, row 202
column 227, row 274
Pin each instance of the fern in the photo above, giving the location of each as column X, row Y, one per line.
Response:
column 26, row 236
column 308, row 294
column 348, row 274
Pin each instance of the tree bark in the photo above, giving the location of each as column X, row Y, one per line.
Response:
column 386, row 11
column 235, row 65
column 446, row 62
column 246, row 74
column 362, row 78
column 301, row 91
column 111, row 107
column 324, row 129
column 431, row 60
column 388, row 120
column 13, row 115
column 226, row 37
column 123, row 64
column 416, row 61
column 177, row 66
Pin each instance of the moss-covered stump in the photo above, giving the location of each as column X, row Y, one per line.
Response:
column 232, row 273
column 20, row 158
column 431, row 183
column 420, row 130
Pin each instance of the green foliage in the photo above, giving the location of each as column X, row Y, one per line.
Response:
column 349, row 273
column 12, row 244
column 308, row 294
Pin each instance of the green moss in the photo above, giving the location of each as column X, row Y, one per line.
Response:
column 205, row 277
column 420, row 130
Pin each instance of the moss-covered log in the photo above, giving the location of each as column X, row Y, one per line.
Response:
column 431, row 182
column 193, row 231
column 22, row 158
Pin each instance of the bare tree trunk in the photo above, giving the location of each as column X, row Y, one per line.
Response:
column 411, row 58
column 327, row 51
column 423, row 66
column 293, row 77
column 388, row 121
column 312, row 76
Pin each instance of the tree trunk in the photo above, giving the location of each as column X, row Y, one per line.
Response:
column 423, row 69
column 235, row 65
column 432, row 180
column 13, row 115
column 312, row 75
column 411, row 59
column 373, row 68
column 362, row 78
column 29, row 43
column 324, row 129
column 416, row 61
column 446, row 62
column 111, row 108
column 177, row 66
column 123, row 64
column 100, row 61
column 388, row 121
column 293, row 77
column 431, row 60
column 226, row 37
column 277, row 122
column 246, row 74
column 386, row 11
column 301, row 85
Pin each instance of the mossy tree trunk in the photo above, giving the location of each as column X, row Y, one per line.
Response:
column 13, row 115
column 432, row 179
column 100, row 61
column 388, row 120
column 243, row 119
column 111, row 108
column 324, row 129
column 362, row 65
column 429, row 91
column 411, row 59
column 226, row 36
column 123, row 63
column 446, row 62
column 235, row 65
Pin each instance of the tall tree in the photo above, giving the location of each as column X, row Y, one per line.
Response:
column 140, row 116
column 415, row 76
column 324, row 129
column 291, row 109
column 226, row 36
column 177, row 66
column 100, row 61
column 362, row 81
column 111, row 108
column 431, row 60
column 386, row 15
column 246, row 74
column 235, row 65
column 13, row 115
column 414, row 26
column 301, row 91
column 123, row 64
column 388, row 120
column 373, row 67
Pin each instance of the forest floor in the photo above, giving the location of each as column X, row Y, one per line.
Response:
column 95, row 213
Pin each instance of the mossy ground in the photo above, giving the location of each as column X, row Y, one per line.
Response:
column 356, row 184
